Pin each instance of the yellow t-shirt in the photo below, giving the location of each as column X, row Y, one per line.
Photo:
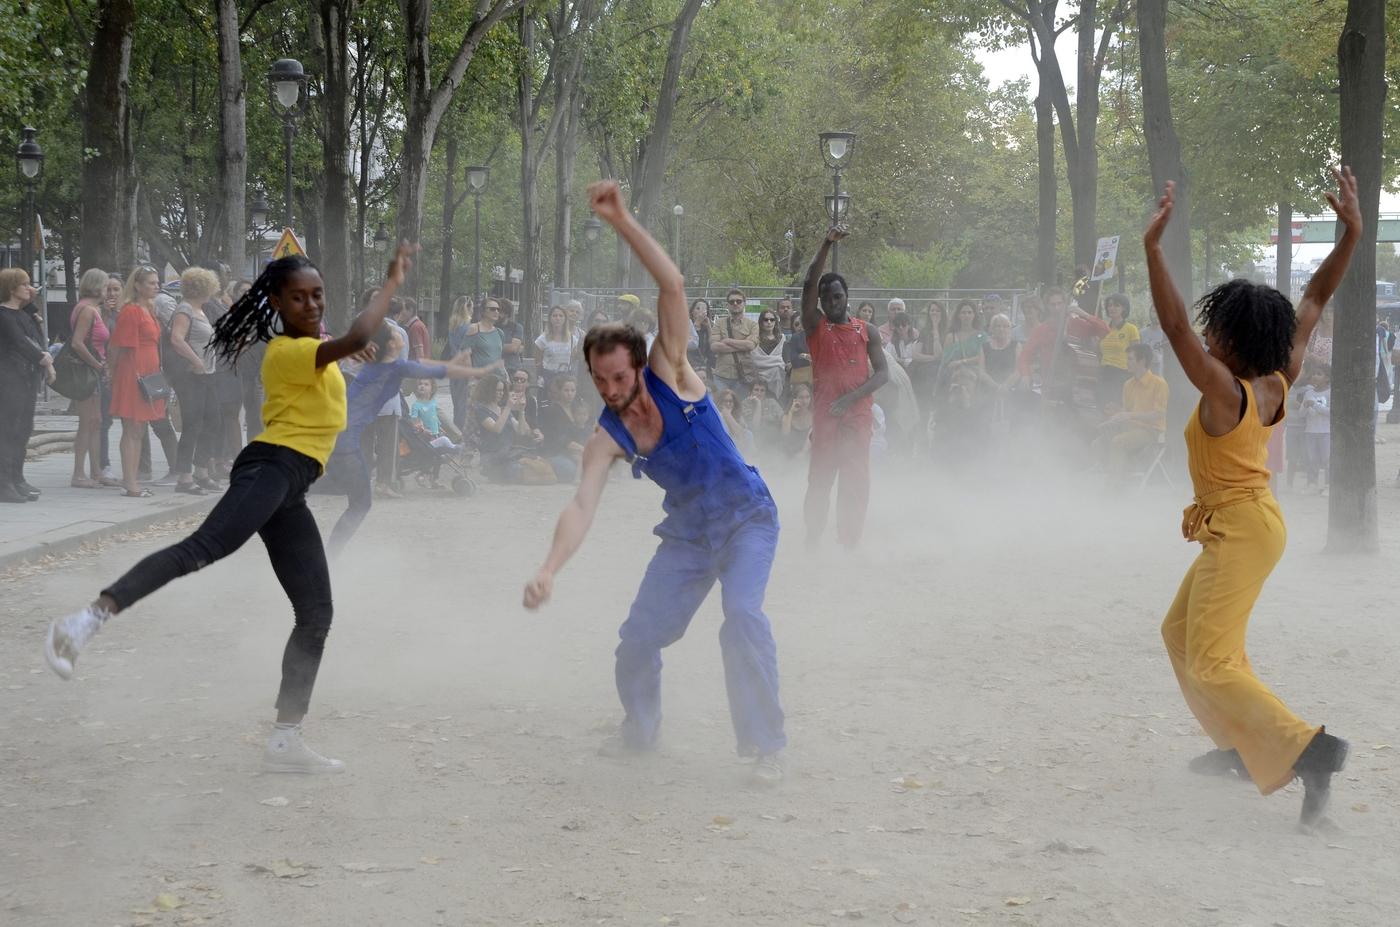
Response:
column 304, row 408
column 1113, row 347
column 1148, row 394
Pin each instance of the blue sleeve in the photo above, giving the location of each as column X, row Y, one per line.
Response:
column 413, row 370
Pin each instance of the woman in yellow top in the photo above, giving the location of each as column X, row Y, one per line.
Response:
column 303, row 412
column 1254, row 351
column 1113, row 349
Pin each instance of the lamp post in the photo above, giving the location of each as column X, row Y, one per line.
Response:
column 837, row 149
column 381, row 239
column 679, row 212
column 257, row 225
column 476, row 183
column 29, row 162
column 287, row 81
column 592, row 231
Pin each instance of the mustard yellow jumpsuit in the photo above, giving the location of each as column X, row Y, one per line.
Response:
column 1240, row 528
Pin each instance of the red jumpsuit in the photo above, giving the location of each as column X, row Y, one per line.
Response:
column 840, row 445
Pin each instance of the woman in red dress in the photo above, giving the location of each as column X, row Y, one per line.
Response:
column 134, row 352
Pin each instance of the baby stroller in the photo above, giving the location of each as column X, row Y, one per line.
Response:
column 419, row 459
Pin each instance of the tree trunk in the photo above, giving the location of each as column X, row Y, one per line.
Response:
column 1351, row 503
column 651, row 169
column 233, row 139
column 1283, row 253
column 1084, row 169
column 449, row 228
column 107, row 238
column 1164, row 157
column 530, row 156
column 425, row 103
column 566, row 154
column 1049, row 186
column 334, row 19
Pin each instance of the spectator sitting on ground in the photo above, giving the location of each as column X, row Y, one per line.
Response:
column 761, row 415
column 797, row 421
column 1143, row 419
column 960, row 426
column 727, row 405
column 565, row 430
column 500, row 423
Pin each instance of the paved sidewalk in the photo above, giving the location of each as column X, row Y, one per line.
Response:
column 65, row 518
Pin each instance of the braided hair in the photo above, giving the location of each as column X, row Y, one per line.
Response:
column 251, row 319
column 1254, row 323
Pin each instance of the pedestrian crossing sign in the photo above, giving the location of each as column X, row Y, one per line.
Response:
column 287, row 245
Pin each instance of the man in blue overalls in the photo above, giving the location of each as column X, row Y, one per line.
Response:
column 721, row 523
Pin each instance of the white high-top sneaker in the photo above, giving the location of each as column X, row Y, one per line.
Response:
column 69, row 634
column 769, row 769
column 287, row 753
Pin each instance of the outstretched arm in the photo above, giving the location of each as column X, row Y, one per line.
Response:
column 577, row 517
column 1330, row 272
column 368, row 322
column 1206, row 373
column 672, row 321
column 811, row 306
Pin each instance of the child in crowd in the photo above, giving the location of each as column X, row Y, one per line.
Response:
column 1316, row 406
column 423, row 413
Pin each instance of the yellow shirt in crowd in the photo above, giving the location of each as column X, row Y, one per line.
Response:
column 1147, row 393
column 1113, row 348
column 304, row 408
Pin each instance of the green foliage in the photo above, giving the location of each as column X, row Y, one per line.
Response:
column 747, row 268
column 934, row 268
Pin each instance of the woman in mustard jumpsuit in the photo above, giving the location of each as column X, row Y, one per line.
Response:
column 1253, row 353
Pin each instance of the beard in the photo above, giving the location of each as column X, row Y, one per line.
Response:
column 625, row 404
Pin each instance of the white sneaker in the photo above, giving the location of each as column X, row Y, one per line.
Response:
column 68, row 636
column 287, row 753
column 768, row 769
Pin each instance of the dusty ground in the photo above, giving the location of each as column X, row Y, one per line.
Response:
column 984, row 727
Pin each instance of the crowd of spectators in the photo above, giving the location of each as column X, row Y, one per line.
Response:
column 966, row 378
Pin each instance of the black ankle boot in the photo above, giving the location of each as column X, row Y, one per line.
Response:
column 8, row 493
column 1321, row 758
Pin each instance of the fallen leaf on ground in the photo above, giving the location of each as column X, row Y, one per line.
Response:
column 1017, row 902
column 168, row 902
column 722, row 820
column 282, row 869
column 277, row 802
column 1304, row 880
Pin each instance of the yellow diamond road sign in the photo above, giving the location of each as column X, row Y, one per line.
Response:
column 287, row 245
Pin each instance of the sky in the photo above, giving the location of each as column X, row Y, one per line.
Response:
column 1015, row 63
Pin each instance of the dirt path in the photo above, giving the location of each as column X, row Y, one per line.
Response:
column 993, row 735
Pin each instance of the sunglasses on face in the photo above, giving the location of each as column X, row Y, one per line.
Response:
column 736, row 302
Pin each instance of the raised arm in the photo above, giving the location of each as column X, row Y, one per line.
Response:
column 672, row 320
column 811, row 304
column 367, row 323
column 1330, row 272
column 1206, row 373
column 577, row 517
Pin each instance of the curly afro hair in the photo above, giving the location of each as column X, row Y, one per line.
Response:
column 1253, row 323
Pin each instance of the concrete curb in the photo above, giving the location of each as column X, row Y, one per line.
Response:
column 76, row 542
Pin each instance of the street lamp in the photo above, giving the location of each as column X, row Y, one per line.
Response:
column 381, row 240
column 476, row 183
column 257, row 214
column 287, row 81
column 837, row 150
column 592, row 231
column 679, row 213
column 29, row 162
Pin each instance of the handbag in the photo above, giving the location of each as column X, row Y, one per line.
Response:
column 154, row 387
column 73, row 378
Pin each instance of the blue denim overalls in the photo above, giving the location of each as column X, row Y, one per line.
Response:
column 721, row 524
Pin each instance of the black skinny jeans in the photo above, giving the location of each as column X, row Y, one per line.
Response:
column 16, row 425
column 200, row 421
column 266, row 495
